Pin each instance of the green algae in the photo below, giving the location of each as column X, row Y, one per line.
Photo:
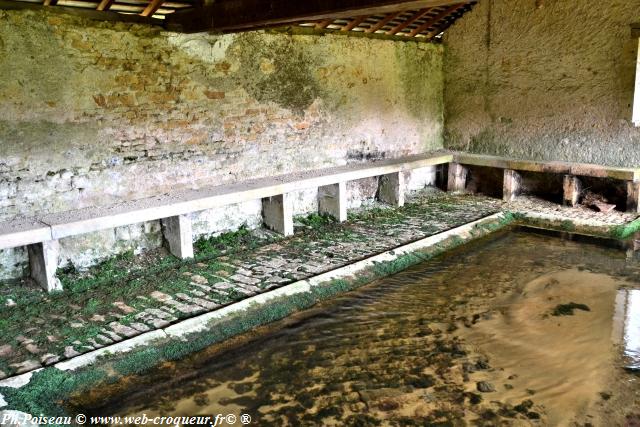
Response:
column 51, row 389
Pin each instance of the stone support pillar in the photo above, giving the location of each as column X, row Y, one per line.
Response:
column 457, row 177
column 43, row 260
column 332, row 200
column 511, row 186
column 277, row 213
column 392, row 189
column 178, row 233
column 571, row 188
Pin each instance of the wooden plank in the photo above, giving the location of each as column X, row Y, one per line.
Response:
column 93, row 14
column 151, row 8
column 104, row 5
column 237, row 15
column 431, row 22
column 354, row 23
column 50, row 2
column 413, row 18
column 384, row 21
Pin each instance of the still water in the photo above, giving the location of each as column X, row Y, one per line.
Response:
column 518, row 329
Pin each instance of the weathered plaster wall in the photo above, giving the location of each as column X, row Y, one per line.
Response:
column 544, row 79
column 94, row 113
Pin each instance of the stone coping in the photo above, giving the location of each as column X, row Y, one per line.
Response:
column 568, row 168
column 25, row 231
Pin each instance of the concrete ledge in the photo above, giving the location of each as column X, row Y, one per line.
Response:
column 22, row 232
column 565, row 168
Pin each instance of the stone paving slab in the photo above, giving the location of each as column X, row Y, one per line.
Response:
column 60, row 326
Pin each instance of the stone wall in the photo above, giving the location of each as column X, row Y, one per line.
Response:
column 94, row 113
column 544, row 79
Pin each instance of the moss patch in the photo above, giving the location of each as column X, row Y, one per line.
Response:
column 51, row 389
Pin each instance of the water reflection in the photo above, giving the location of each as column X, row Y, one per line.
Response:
column 628, row 323
column 514, row 330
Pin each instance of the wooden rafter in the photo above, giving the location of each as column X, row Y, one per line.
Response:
column 434, row 20
column 104, row 5
column 394, row 19
column 390, row 17
column 354, row 23
column 88, row 13
column 401, row 26
column 151, row 8
column 238, row 15
column 323, row 24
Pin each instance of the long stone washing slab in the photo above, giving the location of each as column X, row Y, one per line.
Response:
column 25, row 231
column 568, row 168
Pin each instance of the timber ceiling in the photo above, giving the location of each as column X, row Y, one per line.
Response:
column 423, row 20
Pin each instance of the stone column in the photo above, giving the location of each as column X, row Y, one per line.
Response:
column 512, row 182
column 457, row 177
column 572, row 187
column 332, row 200
column 277, row 213
column 633, row 195
column 178, row 233
column 43, row 260
column 391, row 189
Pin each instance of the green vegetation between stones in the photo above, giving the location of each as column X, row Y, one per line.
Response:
column 50, row 389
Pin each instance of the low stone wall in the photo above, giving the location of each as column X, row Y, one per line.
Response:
column 86, row 250
column 100, row 112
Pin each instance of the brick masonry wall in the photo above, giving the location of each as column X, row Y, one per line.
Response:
column 94, row 113
column 544, row 79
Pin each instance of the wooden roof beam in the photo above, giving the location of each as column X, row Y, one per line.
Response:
column 151, row 8
column 89, row 13
column 239, row 15
column 384, row 21
column 354, row 23
column 433, row 21
column 104, row 5
column 419, row 14
column 323, row 24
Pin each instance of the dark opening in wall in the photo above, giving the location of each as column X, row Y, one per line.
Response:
column 442, row 176
column 546, row 186
column 485, row 180
column 612, row 191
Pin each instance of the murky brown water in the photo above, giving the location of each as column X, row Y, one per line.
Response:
column 481, row 336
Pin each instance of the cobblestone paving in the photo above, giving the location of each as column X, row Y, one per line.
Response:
column 525, row 204
column 46, row 329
